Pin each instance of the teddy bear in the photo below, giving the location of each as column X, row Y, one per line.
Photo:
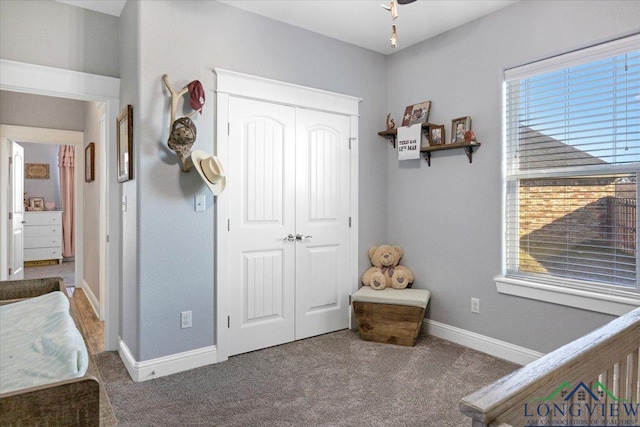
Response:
column 386, row 271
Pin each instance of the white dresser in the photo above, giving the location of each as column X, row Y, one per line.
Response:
column 43, row 235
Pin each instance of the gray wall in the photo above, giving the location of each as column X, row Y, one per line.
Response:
column 174, row 249
column 130, row 319
column 21, row 109
column 57, row 35
column 93, row 113
column 49, row 189
column 451, row 212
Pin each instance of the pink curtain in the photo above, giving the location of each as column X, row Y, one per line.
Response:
column 66, row 163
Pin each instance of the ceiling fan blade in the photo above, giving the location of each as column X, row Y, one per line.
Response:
column 405, row 1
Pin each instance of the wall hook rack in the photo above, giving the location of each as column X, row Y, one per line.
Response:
column 182, row 132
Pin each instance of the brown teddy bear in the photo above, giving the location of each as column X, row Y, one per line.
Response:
column 386, row 271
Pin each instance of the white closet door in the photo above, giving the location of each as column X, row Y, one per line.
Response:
column 322, row 221
column 261, row 177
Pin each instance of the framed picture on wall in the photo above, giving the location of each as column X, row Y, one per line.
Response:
column 36, row 170
column 89, row 162
column 125, row 144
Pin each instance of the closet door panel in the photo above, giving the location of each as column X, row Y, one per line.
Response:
column 262, row 211
column 322, row 222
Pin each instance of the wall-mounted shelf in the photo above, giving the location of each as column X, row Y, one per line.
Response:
column 467, row 146
column 391, row 135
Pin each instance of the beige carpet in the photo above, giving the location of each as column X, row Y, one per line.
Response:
column 330, row 380
column 66, row 270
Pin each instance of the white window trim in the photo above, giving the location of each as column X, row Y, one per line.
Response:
column 611, row 302
column 616, row 305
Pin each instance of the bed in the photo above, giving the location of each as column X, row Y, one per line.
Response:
column 52, row 401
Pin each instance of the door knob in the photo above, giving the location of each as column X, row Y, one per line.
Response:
column 290, row 238
column 301, row 238
column 24, row 222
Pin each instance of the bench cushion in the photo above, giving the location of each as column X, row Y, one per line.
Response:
column 409, row 297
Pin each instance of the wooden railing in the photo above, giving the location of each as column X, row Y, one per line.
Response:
column 590, row 381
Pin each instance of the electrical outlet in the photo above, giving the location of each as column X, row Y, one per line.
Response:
column 185, row 319
column 475, row 305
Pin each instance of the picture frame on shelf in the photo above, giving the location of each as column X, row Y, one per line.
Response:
column 417, row 113
column 89, row 162
column 125, row 144
column 36, row 203
column 458, row 127
column 436, row 135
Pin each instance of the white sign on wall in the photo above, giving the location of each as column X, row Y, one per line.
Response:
column 409, row 142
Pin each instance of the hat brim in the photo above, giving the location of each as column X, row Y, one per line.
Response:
column 196, row 157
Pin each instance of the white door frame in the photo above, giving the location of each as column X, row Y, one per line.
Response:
column 20, row 134
column 48, row 81
column 230, row 83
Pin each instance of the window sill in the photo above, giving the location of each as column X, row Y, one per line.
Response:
column 616, row 305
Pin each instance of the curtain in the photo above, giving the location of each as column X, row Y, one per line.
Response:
column 66, row 163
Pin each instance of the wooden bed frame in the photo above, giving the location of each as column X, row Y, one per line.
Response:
column 69, row 402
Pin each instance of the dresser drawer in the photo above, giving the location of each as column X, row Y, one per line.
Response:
column 42, row 242
column 43, row 231
column 42, row 253
column 43, row 218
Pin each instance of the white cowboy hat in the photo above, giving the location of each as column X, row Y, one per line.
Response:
column 210, row 171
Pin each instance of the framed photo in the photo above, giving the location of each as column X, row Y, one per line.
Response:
column 417, row 113
column 36, row 170
column 436, row 135
column 458, row 127
column 36, row 203
column 125, row 144
column 89, row 162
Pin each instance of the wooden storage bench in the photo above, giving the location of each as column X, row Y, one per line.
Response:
column 390, row 315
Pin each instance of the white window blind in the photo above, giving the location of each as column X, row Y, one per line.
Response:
column 572, row 154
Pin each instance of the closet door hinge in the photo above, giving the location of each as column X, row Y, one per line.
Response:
column 10, row 160
column 228, row 322
column 10, row 215
column 349, row 222
column 228, row 224
column 228, row 128
column 10, row 271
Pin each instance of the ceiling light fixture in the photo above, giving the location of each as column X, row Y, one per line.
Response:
column 394, row 15
column 394, row 37
column 391, row 8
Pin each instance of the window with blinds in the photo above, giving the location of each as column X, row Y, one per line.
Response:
column 572, row 156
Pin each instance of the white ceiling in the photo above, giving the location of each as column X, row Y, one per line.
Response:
column 363, row 23
column 111, row 7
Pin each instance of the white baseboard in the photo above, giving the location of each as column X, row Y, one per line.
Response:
column 95, row 304
column 163, row 366
column 494, row 347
